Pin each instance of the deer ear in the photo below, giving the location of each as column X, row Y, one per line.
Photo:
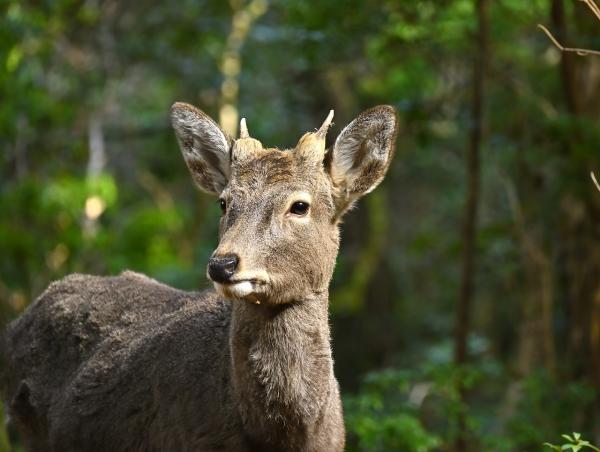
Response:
column 205, row 147
column 362, row 154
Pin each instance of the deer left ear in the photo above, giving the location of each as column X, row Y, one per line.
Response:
column 205, row 147
column 362, row 154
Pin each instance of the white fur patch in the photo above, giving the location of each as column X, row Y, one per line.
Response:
column 241, row 289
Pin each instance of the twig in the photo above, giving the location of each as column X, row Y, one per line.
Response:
column 592, row 5
column 595, row 180
column 582, row 52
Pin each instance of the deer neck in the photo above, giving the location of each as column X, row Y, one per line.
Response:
column 282, row 371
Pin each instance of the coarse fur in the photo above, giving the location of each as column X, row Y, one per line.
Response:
column 126, row 363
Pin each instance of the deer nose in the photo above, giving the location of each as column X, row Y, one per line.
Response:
column 221, row 268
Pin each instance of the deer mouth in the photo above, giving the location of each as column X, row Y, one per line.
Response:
column 242, row 288
column 253, row 281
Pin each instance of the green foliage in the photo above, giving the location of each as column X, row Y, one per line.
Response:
column 388, row 412
column 420, row 409
column 547, row 407
column 380, row 419
column 575, row 443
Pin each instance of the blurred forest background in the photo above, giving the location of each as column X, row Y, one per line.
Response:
column 448, row 333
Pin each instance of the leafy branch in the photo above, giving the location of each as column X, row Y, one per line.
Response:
column 575, row 444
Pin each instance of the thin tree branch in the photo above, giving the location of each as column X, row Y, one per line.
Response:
column 595, row 180
column 583, row 52
column 578, row 51
column 592, row 5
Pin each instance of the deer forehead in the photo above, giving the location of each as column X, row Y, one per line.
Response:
column 269, row 167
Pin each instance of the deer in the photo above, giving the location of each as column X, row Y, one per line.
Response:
column 126, row 363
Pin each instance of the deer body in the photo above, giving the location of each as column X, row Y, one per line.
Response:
column 128, row 364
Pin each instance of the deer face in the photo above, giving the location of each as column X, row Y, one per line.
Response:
column 279, row 229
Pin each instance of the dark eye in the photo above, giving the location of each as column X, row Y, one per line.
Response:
column 223, row 205
column 299, row 208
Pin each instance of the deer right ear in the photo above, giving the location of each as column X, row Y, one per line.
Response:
column 205, row 147
column 362, row 154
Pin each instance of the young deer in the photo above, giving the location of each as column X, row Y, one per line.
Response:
column 128, row 364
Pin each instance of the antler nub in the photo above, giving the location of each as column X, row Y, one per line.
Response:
column 244, row 129
column 245, row 146
column 312, row 144
column 322, row 132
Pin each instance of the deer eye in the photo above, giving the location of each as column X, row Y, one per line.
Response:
column 223, row 205
column 299, row 208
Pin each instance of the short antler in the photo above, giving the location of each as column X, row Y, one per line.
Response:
column 245, row 146
column 244, row 129
column 312, row 144
column 322, row 132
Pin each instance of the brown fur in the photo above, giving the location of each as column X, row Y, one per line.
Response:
column 128, row 364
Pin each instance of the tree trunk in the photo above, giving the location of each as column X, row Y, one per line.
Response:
column 242, row 19
column 579, row 241
column 567, row 63
column 469, row 228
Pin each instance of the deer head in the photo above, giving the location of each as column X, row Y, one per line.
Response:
column 279, row 233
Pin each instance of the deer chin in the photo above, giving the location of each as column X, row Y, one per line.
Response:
column 251, row 289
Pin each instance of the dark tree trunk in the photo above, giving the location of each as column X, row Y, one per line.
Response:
column 579, row 239
column 567, row 63
column 469, row 228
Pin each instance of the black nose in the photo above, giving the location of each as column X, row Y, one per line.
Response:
column 221, row 268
